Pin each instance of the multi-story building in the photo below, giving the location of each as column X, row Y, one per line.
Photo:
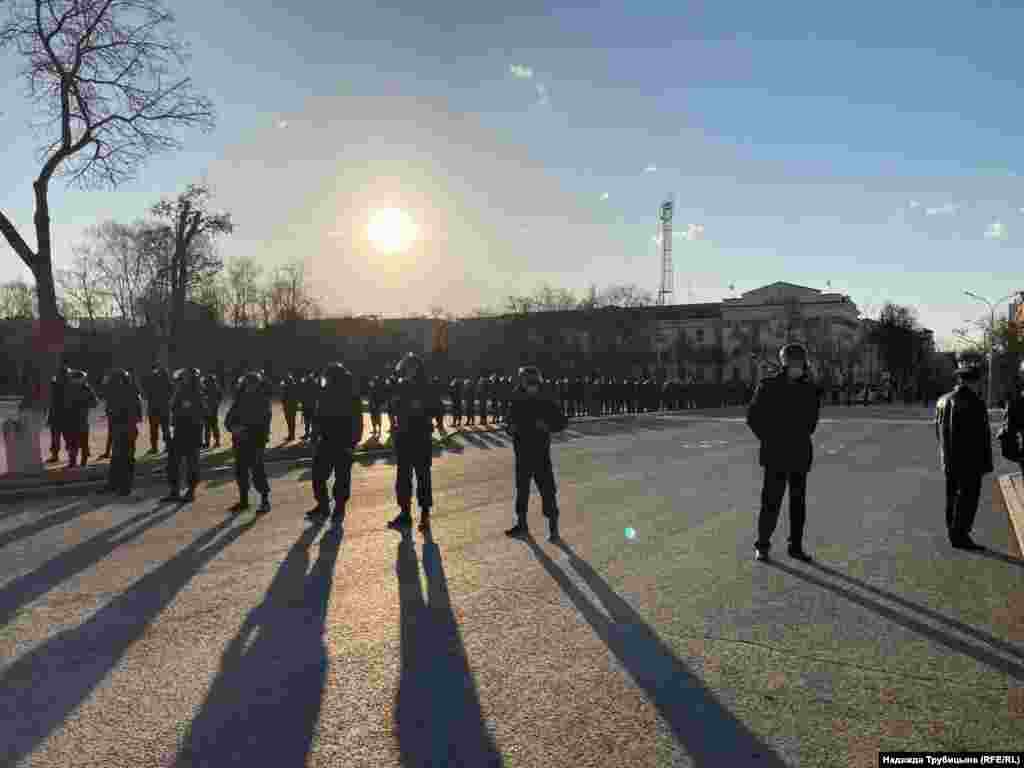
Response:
column 718, row 341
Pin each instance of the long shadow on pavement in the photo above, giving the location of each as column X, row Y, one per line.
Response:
column 264, row 705
column 709, row 733
column 959, row 626
column 993, row 555
column 437, row 713
column 64, row 514
column 473, row 439
column 24, row 589
column 40, row 689
column 950, row 641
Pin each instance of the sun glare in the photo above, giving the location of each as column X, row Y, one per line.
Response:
column 391, row 230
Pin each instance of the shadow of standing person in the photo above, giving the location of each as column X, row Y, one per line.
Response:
column 708, row 732
column 264, row 706
column 437, row 713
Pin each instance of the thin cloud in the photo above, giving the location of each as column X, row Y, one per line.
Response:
column 942, row 209
column 996, row 231
column 651, row 169
column 518, row 70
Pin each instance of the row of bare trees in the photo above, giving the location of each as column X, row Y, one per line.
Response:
column 548, row 298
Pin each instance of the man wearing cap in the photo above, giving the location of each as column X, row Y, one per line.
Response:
column 783, row 414
column 965, row 452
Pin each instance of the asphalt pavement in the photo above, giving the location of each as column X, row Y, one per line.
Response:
column 146, row 635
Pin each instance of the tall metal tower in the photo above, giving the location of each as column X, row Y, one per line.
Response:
column 665, row 223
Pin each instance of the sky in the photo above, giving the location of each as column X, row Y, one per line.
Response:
column 873, row 147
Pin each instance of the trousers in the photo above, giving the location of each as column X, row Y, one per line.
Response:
column 184, row 447
column 413, row 455
column 775, row 482
column 159, row 419
column 291, row 408
column 77, row 441
column 535, row 467
column 121, row 475
column 962, row 494
column 249, row 462
column 332, row 458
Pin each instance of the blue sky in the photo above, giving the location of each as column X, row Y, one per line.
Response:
column 873, row 145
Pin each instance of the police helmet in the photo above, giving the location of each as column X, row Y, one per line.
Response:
column 410, row 367
column 793, row 353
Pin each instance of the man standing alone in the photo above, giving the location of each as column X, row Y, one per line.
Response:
column 783, row 414
column 965, row 451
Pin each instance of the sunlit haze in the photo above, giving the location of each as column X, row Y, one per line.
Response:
column 806, row 142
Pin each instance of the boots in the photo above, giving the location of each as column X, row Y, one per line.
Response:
column 424, row 519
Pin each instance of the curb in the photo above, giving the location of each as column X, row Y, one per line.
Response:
column 1009, row 495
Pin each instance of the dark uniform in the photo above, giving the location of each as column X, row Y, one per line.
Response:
column 532, row 420
column 470, row 395
column 105, row 388
column 248, row 421
column 415, row 404
column 965, row 452
column 55, row 419
column 375, row 402
column 290, row 403
column 482, row 392
column 212, row 397
column 435, row 384
column 157, row 389
column 455, row 394
column 783, row 415
column 124, row 414
column 339, row 420
column 307, row 395
column 188, row 418
column 79, row 399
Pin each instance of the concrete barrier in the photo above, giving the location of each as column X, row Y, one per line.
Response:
column 1009, row 498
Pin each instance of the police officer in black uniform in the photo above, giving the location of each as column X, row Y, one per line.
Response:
column 965, row 451
column 783, row 414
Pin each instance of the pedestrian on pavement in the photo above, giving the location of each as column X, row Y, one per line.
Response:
column 415, row 404
column 79, row 399
column 455, row 395
column 106, row 383
column 248, row 421
column 157, row 389
column 375, row 401
column 124, row 414
column 290, row 403
column 965, row 452
column 339, row 428
column 531, row 422
column 783, row 414
column 308, row 394
column 188, row 417
column 1013, row 420
column 212, row 397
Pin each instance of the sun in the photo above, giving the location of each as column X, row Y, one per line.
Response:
column 391, row 230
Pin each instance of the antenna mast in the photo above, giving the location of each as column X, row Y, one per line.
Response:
column 665, row 221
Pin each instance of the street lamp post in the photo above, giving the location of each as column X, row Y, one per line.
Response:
column 992, row 335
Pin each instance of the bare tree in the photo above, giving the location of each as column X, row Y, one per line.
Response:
column 194, row 228
column 289, row 295
column 242, row 291
column 625, row 295
column 97, row 72
column 125, row 263
column 17, row 301
column 82, row 287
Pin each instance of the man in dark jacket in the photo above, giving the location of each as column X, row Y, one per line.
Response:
column 56, row 419
column 290, row 403
column 157, row 389
column 79, row 399
column 783, row 414
column 188, row 417
column 248, row 421
column 307, row 395
column 531, row 422
column 413, row 406
column 124, row 414
column 212, row 397
column 965, row 452
column 455, row 395
column 339, row 428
